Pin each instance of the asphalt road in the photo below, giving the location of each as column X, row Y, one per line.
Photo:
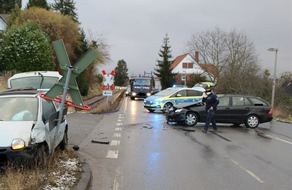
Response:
column 132, row 149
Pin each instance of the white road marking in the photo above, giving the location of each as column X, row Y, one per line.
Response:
column 117, row 135
column 112, row 154
column 247, row 171
column 118, row 128
column 125, row 105
column 119, row 124
column 279, row 139
column 114, row 143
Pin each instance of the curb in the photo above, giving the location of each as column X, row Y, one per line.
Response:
column 86, row 176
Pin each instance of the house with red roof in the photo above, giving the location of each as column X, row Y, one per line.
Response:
column 185, row 65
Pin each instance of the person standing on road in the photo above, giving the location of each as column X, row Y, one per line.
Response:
column 211, row 101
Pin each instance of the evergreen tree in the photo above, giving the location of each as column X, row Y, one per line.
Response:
column 38, row 3
column 164, row 70
column 7, row 5
column 66, row 7
column 121, row 74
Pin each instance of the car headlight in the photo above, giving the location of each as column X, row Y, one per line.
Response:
column 17, row 144
column 178, row 110
column 148, row 94
column 134, row 93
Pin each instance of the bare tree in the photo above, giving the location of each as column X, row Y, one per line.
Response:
column 232, row 54
column 212, row 48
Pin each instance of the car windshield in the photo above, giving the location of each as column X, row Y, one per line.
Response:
column 166, row 92
column 141, row 82
column 34, row 81
column 18, row 109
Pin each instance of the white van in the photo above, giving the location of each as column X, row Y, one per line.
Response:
column 36, row 79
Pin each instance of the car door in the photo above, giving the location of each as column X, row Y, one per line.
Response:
column 178, row 98
column 223, row 111
column 240, row 107
column 50, row 116
column 194, row 96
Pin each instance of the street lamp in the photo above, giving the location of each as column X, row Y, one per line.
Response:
column 274, row 77
column 185, row 79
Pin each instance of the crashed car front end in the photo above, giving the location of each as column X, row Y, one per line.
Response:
column 16, row 144
column 175, row 114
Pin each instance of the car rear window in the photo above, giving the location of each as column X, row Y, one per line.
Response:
column 34, row 81
column 258, row 102
column 240, row 101
column 194, row 93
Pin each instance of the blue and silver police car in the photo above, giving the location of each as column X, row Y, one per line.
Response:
column 167, row 98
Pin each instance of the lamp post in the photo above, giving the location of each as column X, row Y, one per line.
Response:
column 274, row 77
column 185, row 79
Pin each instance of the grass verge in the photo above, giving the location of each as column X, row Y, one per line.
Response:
column 63, row 172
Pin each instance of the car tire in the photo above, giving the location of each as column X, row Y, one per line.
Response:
column 150, row 110
column 252, row 121
column 63, row 144
column 166, row 107
column 191, row 119
column 132, row 98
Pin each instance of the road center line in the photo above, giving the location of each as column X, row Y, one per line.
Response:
column 279, row 139
column 114, row 143
column 247, row 171
column 112, row 154
column 117, row 135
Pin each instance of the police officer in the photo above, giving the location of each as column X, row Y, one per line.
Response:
column 211, row 101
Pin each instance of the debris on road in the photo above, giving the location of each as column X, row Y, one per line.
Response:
column 100, row 142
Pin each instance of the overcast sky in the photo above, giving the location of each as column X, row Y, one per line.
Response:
column 134, row 29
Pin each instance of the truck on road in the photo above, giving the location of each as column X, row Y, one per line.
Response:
column 142, row 87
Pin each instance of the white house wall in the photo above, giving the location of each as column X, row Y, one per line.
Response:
column 188, row 59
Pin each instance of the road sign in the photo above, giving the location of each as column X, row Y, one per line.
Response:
column 70, row 73
column 108, row 82
column 107, row 93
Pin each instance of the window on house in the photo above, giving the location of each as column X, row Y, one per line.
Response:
column 187, row 65
column 184, row 65
column 190, row 65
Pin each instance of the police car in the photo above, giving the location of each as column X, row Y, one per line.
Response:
column 165, row 99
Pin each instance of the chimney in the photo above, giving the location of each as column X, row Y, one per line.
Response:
column 197, row 56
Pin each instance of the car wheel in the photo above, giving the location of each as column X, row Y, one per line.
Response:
column 64, row 142
column 41, row 156
column 132, row 98
column 252, row 121
column 150, row 110
column 166, row 107
column 191, row 119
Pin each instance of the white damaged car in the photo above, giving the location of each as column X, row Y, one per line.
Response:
column 28, row 125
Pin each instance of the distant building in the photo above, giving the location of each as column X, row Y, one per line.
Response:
column 185, row 65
